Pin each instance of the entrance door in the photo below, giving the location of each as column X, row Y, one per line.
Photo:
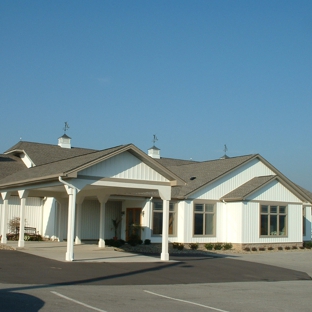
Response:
column 133, row 222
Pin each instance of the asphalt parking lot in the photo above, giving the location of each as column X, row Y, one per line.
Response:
column 222, row 283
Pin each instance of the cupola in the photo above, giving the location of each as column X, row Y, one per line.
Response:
column 64, row 141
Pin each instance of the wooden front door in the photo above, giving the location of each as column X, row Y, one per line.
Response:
column 133, row 222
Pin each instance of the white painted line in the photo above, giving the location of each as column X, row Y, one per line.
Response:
column 190, row 302
column 78, row 302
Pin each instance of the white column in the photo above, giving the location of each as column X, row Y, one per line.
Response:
column 78, row 221
column 165, row 194
column 22, row 195
column 165, row 232
column 4, row 217
column 71, row 223
column 102, row 199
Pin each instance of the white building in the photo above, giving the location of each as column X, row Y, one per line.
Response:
column 75, row 194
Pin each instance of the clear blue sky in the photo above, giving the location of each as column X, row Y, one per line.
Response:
column 198, row 74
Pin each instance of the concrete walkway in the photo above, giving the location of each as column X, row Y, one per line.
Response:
column 88, row 252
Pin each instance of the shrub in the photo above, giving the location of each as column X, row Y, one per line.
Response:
column 193, row 246
column 217, row 246
column 14, row 223
column 175, row 245
column 287, row 248
column 280, row 248
column 134, row 240
column 294, row 247
column 114, row 242
column 147, row 242
column 247, row 249
column 254, row 249
column 209, row 246
column 307, row 245
column 227, row 246
column 180, row 246
column 261, row 249
column 270, row 248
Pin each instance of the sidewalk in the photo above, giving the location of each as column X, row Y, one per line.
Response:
column 87, row 252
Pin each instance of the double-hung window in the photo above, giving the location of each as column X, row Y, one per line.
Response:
column 205, row 219
column 158, row 217
column 273, row 220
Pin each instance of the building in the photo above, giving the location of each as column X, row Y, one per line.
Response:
column 79, row 194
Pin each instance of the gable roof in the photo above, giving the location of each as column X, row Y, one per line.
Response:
column 41, row 153
column 69, row 167
column 9, row 164
column 251, row 186
column 199, row 174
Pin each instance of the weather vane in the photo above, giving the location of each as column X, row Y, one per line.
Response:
column 66, row 127
column 225, row 148
column 155, row 139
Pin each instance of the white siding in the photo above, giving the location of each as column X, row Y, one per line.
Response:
column 274, row 191
column 233, row 180
column 90, row 216
column 124, row 166
column 49, row 218
column 308, row 220
column 234, row 222
column 251, row 221
column 33, row 211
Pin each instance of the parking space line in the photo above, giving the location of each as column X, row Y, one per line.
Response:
column 190, row 302
column 78, row 302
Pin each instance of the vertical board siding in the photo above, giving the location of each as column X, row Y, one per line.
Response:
column 251, row 230
column 308, row 220
column 90, row 216
column 33, row 211
column 124, row 166
column 275, row 191
column 233, row 180
column 234, row 222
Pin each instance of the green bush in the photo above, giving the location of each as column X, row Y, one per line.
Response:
column 175, row 245
column 227, row 246
column 134, row 240
column 180, row 246
column 147, row 242
column 193, row 246
column 209, row 246
column 217, row 246
column 307, row 245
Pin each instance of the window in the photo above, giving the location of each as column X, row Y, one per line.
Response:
column 158, row 215
column 204, row 219
column 273, row 219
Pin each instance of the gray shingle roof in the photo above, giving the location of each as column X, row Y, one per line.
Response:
column 247, row 188
column 57, row 168
column 9, row 164
column 202, row 173
column 46, row 153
